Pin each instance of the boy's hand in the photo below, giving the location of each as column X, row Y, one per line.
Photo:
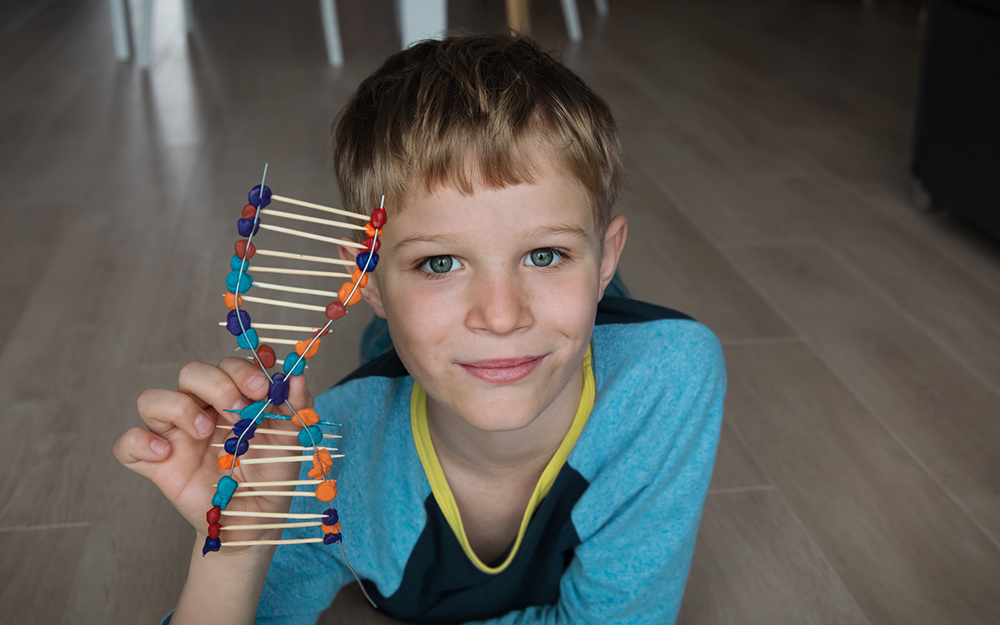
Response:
column 175, row 450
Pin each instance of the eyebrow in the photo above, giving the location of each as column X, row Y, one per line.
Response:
column 561, row 229
column 425, row 238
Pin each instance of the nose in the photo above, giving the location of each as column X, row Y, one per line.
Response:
column 498, row 304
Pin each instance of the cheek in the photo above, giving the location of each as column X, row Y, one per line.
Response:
column 418, row 319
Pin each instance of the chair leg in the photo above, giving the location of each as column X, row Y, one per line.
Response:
column 572, row 17
column 517, row 17
column 120, row 29
column 331, row 31
column 145, row 45
column 601, row 6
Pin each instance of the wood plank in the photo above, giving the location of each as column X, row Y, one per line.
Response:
column 735, row 467
column 905, row 547
column 36, row 568
column 755, row 564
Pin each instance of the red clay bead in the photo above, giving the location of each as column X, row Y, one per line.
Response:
column 214, row 515
column 249, row 211
column 266, row 355
column 213, row 530
column 368, row 244
column 335, row 310
column 243, row 246
column 321, row 332
column 378, row 218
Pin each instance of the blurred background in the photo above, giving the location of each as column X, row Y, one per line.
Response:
column 771, row 195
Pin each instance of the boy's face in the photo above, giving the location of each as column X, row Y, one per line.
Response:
column 491, row 297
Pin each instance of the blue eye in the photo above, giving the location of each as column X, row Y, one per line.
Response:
column 441, row 264
column 542, row 257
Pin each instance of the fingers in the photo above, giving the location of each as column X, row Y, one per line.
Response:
column 165, row 412
column 298, row 393
column 138, row 449
column 249, row 380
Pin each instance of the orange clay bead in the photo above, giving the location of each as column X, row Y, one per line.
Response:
column 321, row 464
column 300, row 348
column 331, row 529
column 327, row 491
column 371, row 231
column 360, row 276
column 308, row 417
column 226, row 462
column 345, row 291
column 230, row 303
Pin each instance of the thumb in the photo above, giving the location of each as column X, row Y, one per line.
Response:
column 298, row 392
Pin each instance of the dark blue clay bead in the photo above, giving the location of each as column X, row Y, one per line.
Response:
column 214, row 544
column 363, row 259
column 231, row 445
column 246, row 227
column 279, row 389
column 331, row 517
column 329, row 539
column 233, row 322
column 257, row 200
column 240, row 426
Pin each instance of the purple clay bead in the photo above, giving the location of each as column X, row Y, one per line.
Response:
column 363, row 262
column 256, row 199
column 279, row 389
column 331, row 517
column 231, row 445
column 214, row 544
column 246, row 227
column 233, row 322
column 329, row 539
column 244, row 425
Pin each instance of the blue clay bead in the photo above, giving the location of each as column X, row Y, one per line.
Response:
column 250, row 335
column 224, row 491
column 231, row 445
column 363, row 259
column 211, row 544
column 247, row 426
column 234, row 280
column 294, row 364
column 233, row 322
column 331, row 517
column 310, row 434
column 247, row 226
column 236, row 262
column 279, row 389
column 329, row 539
column 256, row 199
column 251, row 411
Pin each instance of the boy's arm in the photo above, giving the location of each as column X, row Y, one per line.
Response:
column 224, row 588
column 633, row 567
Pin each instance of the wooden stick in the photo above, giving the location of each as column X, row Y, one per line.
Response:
column 310, row 235
column 278, row 326
column 278, row 302
column 313, row 220
column 319, row 207
column 273, row 515
column 301, row 272
column 263, row 339
column 294, row 289
column 279, row 459
column 278, row 483
column 306, row 257
column 272, row 493
column 250, row 543
column 278, row 432
column 270, row 526
column 281, row 447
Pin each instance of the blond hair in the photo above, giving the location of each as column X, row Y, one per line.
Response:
column 473, row 112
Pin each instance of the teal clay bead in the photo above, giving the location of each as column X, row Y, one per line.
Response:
column 237, row 262
column 234, row 279
column 224, row 491
column 250, row 335
column 316, row 435
column 253, row 410
column 294, row 364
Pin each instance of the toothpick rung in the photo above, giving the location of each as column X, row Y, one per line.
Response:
column 319, row 207
column 270, row 526
column 273, row 515
column 281, row 447
column 294, row 289
column 280, row 459
column 279, row 326
column 272, row 493
column 250, row 543
column 278, row 302
column 278, row 483
column 306, row 257
column 310, row 235
column 265, row 339
column 301, row 272
column 278, row 432
column 313, row 220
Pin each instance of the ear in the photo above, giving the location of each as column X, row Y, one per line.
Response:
column 369, row 293
column 614, row 243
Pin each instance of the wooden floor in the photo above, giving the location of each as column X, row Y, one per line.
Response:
column 858, row 478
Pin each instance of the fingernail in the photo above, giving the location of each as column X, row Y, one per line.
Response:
column 203, row 424
column 255, row 382
column 159, row 447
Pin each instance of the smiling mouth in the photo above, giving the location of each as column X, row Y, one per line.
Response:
column 502, row 370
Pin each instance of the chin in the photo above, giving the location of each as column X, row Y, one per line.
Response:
column 494, row 418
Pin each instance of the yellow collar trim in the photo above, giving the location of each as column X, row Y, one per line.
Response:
column 439, row 484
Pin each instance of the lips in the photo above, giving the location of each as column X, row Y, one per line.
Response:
column 502, row 370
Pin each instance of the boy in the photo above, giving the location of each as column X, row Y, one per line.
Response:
column 509, row 461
